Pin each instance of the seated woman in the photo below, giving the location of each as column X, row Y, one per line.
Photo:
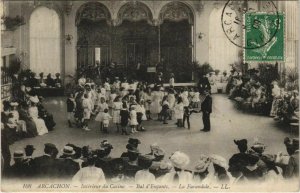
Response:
column 49, row 81
column 32, row 81
column 212, row 82
column 45, row 115
column 57, row 80
column 42, row 81
column 30, row 125
column 276, row 94
column 257, row 95
column 21, row 124
column 12, row 131
column 33, row 112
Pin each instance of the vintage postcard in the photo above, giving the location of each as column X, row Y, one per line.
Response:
column 149, row 96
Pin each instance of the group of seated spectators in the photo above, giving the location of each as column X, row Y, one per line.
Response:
column 268, row 99
column 24, row 115
column 29, row 79
column 95, row 166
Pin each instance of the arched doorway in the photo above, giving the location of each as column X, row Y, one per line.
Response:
column 176, row 21
column 135, row 42
column 45, row 41
column 93, row 21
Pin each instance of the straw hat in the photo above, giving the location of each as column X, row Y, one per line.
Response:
column 179, row 159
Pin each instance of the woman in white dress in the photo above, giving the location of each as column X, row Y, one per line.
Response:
column 156, row 107
column 34, row 114
column 276, row 98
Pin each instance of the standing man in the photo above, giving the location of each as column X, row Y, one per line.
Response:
column 206, row 108
column 203, row 84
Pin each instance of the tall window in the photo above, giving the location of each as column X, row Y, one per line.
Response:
column 45, row 48
column 222, row 52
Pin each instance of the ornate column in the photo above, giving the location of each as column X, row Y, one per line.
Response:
column 291, row 32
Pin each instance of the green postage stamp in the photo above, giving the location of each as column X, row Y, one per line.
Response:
column 264, row 37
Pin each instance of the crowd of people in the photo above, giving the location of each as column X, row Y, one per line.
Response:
column 95, row 166
column 266, row 98
column 125, row 104
column 24, row 115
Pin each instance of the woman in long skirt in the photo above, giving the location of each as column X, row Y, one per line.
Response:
column 156, row 107
column 117, row 106
column 30, row 125
column 33, row 112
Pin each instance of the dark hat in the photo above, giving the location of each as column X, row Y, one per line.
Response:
column 145, row 161
column 258, row 147
column 242, row 142
column 18, row 154
column 50, row 146
column 118, row 164
column 105, row 145
column 132, row 148
column 252, row 159
column 134, row 141
column 57, row 74
column 295, row 143
column 236, row 163
column 292, row 143
column 29, row 147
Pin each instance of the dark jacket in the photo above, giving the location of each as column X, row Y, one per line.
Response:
column 104, row 164
column 70, row 105
column 124, row 117
column 206, row 105
column 68, row 168
column 44, row 166
column 18, row 170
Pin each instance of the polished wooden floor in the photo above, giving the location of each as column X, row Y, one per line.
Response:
column 227, row 124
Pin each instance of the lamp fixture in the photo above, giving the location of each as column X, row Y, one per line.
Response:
column 68, row 38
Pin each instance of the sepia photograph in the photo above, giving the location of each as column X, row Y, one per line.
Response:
column 150, row 95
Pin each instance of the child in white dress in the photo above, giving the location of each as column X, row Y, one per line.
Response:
column 100, row 109
column 171, row 99
column 179, row 111
column 196, row 98
column 133, row 119
column 105, row 119
column 87, row 110
column 21, row 125
column 148, row 101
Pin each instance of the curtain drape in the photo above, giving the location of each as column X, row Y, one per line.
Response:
column 45, row 48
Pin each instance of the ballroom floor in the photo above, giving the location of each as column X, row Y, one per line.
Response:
column 227, row 124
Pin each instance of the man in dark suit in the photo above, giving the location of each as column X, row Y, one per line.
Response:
column 44, row 166
column 67, row 166
column 203, row 84
column 206, row 108
column 18, row 169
